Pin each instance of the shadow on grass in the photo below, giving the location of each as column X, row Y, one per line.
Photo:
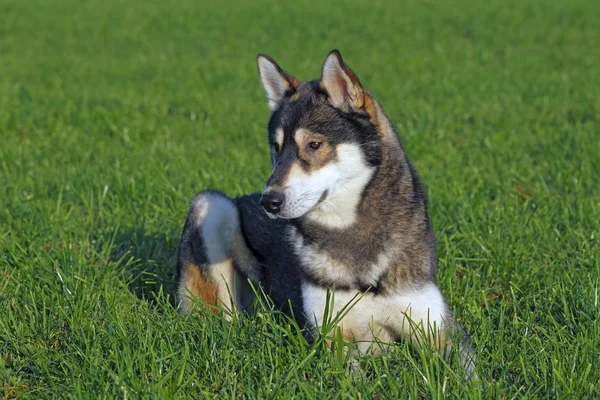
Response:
column 146, row 260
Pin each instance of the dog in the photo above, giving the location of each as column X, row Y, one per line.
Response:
column 342, row 219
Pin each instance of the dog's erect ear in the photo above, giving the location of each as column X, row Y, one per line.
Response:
column 276, row 81
column 341, row 84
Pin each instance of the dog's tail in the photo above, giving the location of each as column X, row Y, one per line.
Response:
column 211, row 247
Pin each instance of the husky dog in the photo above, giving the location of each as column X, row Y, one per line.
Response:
column 343, row 212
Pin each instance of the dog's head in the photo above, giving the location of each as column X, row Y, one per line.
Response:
column 324, row 142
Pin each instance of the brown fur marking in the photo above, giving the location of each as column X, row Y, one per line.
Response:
column 292, row 81
column 369, row 106
column 198, row 286
column 313, row 159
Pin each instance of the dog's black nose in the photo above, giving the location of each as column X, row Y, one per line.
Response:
column 272, row 201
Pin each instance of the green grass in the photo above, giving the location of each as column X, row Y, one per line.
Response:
column 113, row 114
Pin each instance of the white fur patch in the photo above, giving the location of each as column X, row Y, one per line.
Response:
column 223, row 275
column 279, row 137
column 299, row 135
column 386, row 318
column 218, row 225
column 199, row 209
column 351, row 176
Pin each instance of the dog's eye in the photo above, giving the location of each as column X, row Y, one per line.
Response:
column 276, row 147
column 314, row 145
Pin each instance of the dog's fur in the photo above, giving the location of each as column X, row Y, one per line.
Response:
column 352, row 220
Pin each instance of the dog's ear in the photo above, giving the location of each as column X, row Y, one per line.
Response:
column 277, row 83
column 341, row 84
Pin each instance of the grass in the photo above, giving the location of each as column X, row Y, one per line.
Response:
column 113, row 114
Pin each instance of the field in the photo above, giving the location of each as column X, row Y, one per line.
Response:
column 114, row 114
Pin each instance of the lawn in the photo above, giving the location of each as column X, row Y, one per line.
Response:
column 114, row 114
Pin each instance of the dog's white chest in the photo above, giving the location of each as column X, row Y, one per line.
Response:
column 364, row 316
column 358, row 309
